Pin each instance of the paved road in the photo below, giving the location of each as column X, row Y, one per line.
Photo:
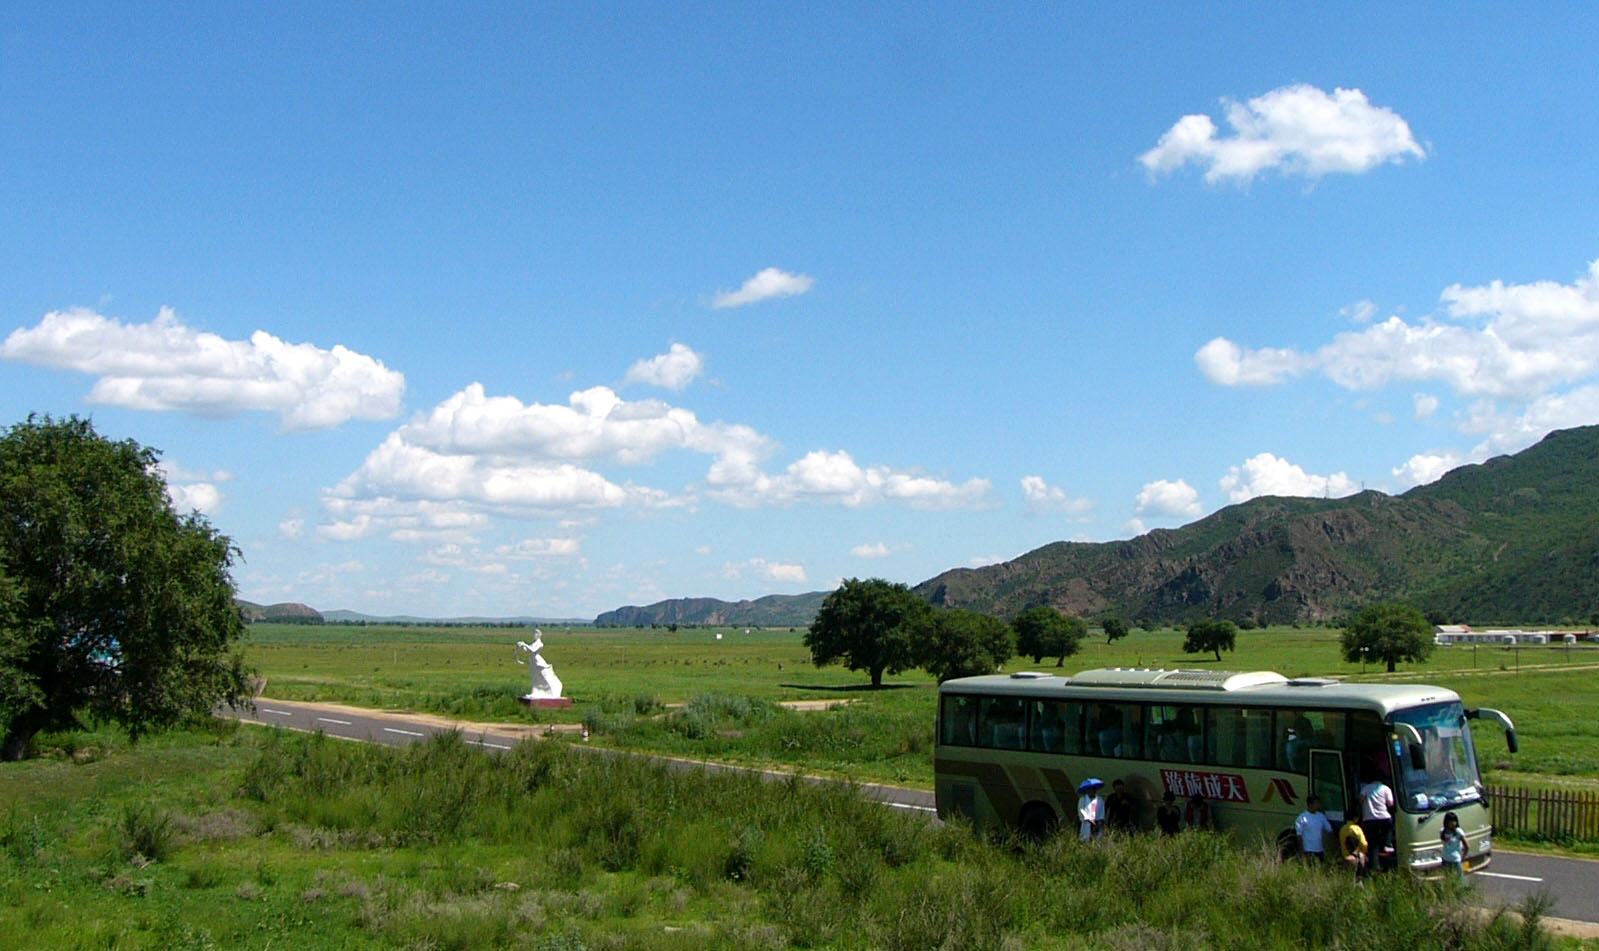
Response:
column 1510, row 877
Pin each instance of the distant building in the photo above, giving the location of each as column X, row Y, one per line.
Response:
column 1446, row 635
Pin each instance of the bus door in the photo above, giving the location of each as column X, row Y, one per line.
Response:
column 1328, row 781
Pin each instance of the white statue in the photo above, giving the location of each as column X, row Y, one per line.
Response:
column 545, row 685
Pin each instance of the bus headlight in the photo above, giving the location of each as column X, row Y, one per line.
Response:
column 1427, row 857
column 1486, row 845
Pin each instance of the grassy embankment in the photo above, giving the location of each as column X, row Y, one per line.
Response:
column 239, row 838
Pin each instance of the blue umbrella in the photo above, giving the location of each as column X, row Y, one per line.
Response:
column 1088, row 784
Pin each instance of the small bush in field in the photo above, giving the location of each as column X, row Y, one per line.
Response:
column 147, row 831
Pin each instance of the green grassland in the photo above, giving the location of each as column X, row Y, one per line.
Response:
column 620, row 679
column 237, row 837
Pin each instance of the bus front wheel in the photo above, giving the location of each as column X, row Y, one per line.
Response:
column 1037, row 822
column 1287, row 845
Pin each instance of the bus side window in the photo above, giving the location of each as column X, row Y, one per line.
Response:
column 1056, row 726
column 959, row 721
column 1298, row 734
column 1240, row 736
column 1173, row 735
column 1002, row 722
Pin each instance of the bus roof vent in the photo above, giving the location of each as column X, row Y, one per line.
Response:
column 1177, row 679
column 1029, row 675
column 1312, row 682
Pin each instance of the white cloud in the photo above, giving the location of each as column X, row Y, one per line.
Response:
column 291, row 528
column 983, row 561
column 872, row 550
column 165, row 365
column 1224, row 362
column 1531, row 338
column 1426, row 467
column 835, row 477
column 1043, row 497
column 530, row 548
column 1164, row 497
column 193, row 491
column 769, row 283
column 1294, row 130
column 673, row 370
column 326, row 573
column 1266, row 474
column 1360, row 312
column 765, row 570
column 1134, row 527
column 202, row 497
column 1516, row 344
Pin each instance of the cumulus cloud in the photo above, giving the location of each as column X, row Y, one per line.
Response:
column 1043, row 497
column 1225, row 362
column 1426, row 467
column 765, row 285
column 474, row 456
column 1510, row 347
column 1295, row 130
column 672, row 370
column 766, row 570
column 1166, row 498
column 1360, row 312
column 1266, row 474
column 834, row 477
column 165, row 365
column 873, row 550
column 291, row 528
column 193, row 491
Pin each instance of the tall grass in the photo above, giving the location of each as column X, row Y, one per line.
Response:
column 795, row 864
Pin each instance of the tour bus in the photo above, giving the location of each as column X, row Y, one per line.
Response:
column 1012, row 750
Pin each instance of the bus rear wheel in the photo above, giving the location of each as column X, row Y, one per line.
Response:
column 1037, row 822
column 1287, row 845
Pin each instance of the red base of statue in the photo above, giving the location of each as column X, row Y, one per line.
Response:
column 552, row 703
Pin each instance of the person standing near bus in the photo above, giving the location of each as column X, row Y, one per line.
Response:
column 1168, row 816
column 1312, row 827
column 1119, row 808
column 1090, row 809
column 1197, row 813
column 1454, row 847
column 1352, row 843
column 1376, row 816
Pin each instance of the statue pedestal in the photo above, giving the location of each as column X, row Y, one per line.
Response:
column 550, row 703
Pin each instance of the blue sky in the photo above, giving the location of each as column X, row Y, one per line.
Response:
column 546, row 309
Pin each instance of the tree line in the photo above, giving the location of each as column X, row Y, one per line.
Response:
column 881, row 628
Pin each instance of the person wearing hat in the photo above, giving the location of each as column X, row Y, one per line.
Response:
column 1090, row 809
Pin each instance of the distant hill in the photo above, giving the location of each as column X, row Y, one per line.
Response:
column 289, row 612
column 1515, row 538
column 774, row 610
column 355, row 617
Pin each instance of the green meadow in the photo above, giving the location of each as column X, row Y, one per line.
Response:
column 225, row 836
column 687, row 692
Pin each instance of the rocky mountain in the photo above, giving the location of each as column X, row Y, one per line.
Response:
column 774, row 610
column 1515, row 538
column 287, row 612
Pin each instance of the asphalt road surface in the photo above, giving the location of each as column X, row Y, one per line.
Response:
column 1512, row 876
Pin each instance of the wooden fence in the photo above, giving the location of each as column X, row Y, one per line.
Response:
column 1555, row 813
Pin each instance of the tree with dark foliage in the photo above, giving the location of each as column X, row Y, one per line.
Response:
column 1215, row 636
column 867, row 624
column 1043, row 631
column 111, row 604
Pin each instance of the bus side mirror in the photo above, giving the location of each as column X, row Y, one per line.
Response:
column 1486, row 713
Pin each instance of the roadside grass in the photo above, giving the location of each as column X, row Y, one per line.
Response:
column 881, row 736
column 271, row 839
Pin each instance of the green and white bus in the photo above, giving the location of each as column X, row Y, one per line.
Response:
column 1012, row 750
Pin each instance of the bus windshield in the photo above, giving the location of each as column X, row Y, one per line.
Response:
column 1450, row 774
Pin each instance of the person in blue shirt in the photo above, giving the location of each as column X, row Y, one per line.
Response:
column 1312, row 828
column 1454, row 847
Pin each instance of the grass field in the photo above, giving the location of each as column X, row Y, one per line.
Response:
column 236, row 837
column 617, row 678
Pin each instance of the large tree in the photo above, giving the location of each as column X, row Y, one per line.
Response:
column 1115, row 629
column 867, row 625
column 111, row 603
column 1387, row 632
column 1211, row 635
column 1043, row 631
column 953, row 643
